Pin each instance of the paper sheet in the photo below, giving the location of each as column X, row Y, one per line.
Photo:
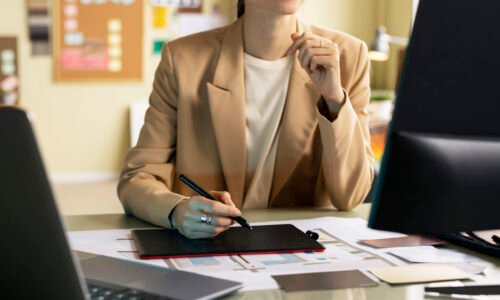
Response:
column 417, row 273
column 429, row 254
column 338, row 235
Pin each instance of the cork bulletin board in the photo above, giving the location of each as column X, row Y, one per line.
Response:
column 98, row 40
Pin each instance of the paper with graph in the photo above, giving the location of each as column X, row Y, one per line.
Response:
column 339, row 236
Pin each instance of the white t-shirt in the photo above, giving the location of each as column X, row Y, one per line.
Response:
column 266, row 85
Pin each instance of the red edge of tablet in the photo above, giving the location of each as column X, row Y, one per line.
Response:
column 230, row 253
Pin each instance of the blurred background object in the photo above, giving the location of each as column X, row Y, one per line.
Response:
column 39, row 24
column 382, row 101
column 380, row 109
column 9, row 82
column 379, row 49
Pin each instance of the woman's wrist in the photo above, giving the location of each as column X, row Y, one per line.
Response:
column 172, row 217
column 335, row 100
column 334, row 104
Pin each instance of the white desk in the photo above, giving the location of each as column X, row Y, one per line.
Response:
column 383, row 291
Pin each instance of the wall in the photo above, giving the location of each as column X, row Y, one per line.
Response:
column 80, row 127
column 356, row 17
column 83, row 128
column 397, row 16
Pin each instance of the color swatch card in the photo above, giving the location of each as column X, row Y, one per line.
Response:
column 324, row 281
column 429, row 254
column 418, row 273
column 406, row 241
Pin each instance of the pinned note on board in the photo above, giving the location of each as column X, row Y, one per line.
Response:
column 160, row 17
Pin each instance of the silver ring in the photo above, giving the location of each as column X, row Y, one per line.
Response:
column 207, row 219
column 204, row 219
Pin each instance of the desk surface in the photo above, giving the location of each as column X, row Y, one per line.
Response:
column 384, row 291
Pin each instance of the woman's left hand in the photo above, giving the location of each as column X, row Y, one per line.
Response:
column 321, row 59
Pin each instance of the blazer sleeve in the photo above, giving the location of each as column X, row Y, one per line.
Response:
column 347, row 158
column 145, row 184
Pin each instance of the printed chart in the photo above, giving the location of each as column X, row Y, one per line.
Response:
column 339, row 236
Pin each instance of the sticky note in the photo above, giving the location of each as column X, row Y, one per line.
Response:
column 70, row 25
column 158, row 46
column 114, row 39
column 70, row 10
column 115, row 52
column 8, row 55
column 73, row 39
column 159, row 17
column 128, row 2
column 115, row 25
column 417, row 273
column 8, row 68
column 115, row 65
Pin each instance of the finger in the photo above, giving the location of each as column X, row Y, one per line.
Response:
column 323, row 61
column 215, row 207
column 216, row 221
column 298, row 41
column 316, row 44
column 194, row 224
column 306, row 45
column 225, row 210
column 224, row 197
column 222, row 221
column 200, row 203
column 305, row 61
column 310, row 49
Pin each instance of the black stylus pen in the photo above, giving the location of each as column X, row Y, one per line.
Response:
column 205, row 194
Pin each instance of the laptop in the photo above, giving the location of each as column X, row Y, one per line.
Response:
column 36, row 260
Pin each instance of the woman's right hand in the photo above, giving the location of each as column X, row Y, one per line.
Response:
column 188, row 214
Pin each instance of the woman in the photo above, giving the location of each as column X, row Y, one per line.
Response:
column 268, row 109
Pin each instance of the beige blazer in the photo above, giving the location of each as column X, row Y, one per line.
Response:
column 195, row 125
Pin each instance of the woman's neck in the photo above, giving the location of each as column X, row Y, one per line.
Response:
column 267, row 36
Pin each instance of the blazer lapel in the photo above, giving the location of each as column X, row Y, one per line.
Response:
column 298, row 123
column 226, row 97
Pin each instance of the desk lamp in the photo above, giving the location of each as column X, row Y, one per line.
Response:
column 379, row 49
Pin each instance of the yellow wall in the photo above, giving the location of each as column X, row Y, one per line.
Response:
column 396, row 15
column 356, row 17
column 84, row 127
column 80, row 127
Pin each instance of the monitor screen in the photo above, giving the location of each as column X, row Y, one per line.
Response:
column 441, row 168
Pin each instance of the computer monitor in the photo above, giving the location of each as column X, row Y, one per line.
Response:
column 441, row 169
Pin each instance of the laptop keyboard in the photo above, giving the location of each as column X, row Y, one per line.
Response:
column 99, row 292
